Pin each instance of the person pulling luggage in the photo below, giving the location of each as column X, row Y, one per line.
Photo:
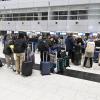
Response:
column 20, row 46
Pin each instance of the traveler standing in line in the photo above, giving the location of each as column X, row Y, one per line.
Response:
column 43, row 47
column 70, row 43
column 8, row 55
column 89, row 53
column 20, row 46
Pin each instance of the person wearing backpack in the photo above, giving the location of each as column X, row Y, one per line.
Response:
column 7, row 51
column 20, row 46
column 43, row 47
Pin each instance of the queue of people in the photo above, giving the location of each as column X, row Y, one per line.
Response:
column 75, row 46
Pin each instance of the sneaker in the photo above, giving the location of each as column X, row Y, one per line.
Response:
column 20, row 73
column 17, row 72
column 14, row 68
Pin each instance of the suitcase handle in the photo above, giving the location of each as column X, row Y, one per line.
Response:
column 32, row 47
column 45, row 52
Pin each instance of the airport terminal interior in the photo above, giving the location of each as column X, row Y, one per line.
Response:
column 49, row 49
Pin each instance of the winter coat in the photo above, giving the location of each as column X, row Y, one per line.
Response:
column 69, row 43
column 20, row 46
column 43, row 45
column 89, row 52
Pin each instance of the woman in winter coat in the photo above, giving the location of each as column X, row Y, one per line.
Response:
column 89, row 53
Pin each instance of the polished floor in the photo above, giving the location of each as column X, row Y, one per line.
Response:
column 50, row 87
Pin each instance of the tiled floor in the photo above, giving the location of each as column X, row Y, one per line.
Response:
column 51, row 87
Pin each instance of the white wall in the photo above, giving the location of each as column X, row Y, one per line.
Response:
column 82, row 26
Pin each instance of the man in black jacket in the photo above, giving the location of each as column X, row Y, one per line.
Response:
column 43, row 47
column 20, row 46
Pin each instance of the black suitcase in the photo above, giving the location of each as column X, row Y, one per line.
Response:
column 77, row 58
column 27, row 68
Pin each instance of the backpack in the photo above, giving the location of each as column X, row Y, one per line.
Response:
column 7, row 50
column 43, row 46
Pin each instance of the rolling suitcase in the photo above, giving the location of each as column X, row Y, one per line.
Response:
column 45, row 67
column 77, row 58
column 66, row 61
column 96, row 56
column 27, row 66
column 60, row 65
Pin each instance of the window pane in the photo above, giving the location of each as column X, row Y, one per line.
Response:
column 29, row 18
column 35, row 14
column 55, row 18
column 29, row 14
column 44, row 13
column 83, row 11
column 15, row 19
column 62, row 12
column 15, row 15
column 62, row 17
column 73, row 17
column 73, row 12
column 8, row 19
column 22, row 14
column 55, row 13
column 9, row 15
column 82, row 17
column 22, row 18
column 35, row 18
column 44, row 18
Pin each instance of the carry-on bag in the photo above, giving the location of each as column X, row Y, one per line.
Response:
column 77, row 58
column 45, row 66
column 60, row 65
column 27, row 67
column 66, row 61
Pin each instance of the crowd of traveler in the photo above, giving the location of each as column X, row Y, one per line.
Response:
column 18, row 44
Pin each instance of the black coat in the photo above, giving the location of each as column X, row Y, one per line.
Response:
column 20, row 46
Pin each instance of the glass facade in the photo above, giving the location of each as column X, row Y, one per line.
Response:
column 54, row 15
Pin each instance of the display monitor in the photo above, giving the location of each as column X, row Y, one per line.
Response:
column 38, row 32
column 81, row 34
column 52, row 33
column 63, row 33
column 95, row 34
column 9, row 32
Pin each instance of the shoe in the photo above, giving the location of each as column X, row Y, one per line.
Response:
column 20, row 73
column 17, row 72
column 14, row 69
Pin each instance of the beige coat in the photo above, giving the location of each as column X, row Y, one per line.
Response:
column 89, row 52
